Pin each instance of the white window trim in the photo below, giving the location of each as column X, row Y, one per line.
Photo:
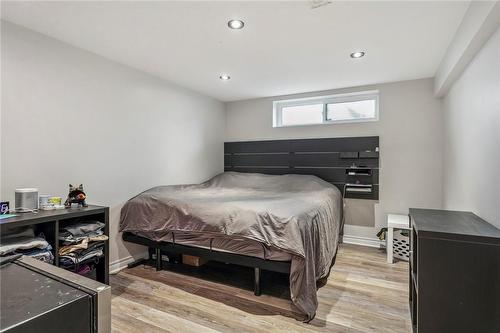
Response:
column 338, row 98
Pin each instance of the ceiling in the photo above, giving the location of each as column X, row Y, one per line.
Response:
column 285, row 47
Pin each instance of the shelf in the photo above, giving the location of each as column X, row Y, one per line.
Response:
column 368, row 154
column 49, row 223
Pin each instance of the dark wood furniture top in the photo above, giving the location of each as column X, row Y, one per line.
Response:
column 41, row 216
column 49, row 221
column 454, row 277
column 457, row 225
column 339, row 161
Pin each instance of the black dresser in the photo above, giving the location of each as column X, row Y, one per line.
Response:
column 454, row 282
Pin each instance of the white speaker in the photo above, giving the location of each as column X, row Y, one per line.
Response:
column 26, row 199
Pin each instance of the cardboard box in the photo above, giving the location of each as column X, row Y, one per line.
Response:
column 192, row 260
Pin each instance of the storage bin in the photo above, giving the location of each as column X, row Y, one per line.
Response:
column 401, row 245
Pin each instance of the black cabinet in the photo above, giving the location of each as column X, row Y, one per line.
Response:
column 26, row 309
column 454, row 276
column 40, row 298
column 49, row 222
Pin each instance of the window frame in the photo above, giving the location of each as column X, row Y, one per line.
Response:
column 325, row 100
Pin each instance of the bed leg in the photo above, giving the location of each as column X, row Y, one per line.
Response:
column 158, row 259
column 256, row 285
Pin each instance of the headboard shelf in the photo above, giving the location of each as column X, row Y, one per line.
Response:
column 330, row 159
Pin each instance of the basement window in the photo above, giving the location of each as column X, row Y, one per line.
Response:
column 333, row 109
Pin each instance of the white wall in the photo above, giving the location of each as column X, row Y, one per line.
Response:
column 410, row 130
column 69, row 116
column 472, row 137
column 478, row 24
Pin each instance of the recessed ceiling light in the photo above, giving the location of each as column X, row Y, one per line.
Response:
column 224, row 77
column 357, row 54
column 236, row 24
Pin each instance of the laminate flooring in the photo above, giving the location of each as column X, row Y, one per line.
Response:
column 363, row 294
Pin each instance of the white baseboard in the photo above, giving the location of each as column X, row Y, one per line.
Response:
column 365, row 241
column 122, row 263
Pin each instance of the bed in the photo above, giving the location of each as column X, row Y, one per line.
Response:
column 277, row 207
column 277, row 218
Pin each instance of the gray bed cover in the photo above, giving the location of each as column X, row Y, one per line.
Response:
column 298, row 214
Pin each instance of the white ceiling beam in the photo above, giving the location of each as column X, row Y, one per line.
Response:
column 480, row 21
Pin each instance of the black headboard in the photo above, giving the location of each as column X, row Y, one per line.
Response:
column 340, row 161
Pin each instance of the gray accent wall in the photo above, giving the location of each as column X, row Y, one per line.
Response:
column 70, row 116
column 410, row 131
column 471, row 170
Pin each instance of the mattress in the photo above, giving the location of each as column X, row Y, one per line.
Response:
column 239, row 246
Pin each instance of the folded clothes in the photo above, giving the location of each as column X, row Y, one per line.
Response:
column 23, row 241
column 13, row 244
column 94, row 250
column 84, row 269
column 82, row 244
column 63, row 250
column 70, row 239
column 76, row 232
column 92, row 247
column 72, row 262
column 82, row 228
column 34, row 251
column 45, row 256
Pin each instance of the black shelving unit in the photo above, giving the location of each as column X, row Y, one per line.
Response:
column 49, row 222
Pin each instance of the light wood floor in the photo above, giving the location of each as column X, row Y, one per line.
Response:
column 363, row 294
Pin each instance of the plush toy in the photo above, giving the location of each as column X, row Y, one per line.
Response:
column 76, row 195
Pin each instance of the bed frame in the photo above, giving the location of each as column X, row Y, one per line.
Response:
column 344, row 162
column 171, row 249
